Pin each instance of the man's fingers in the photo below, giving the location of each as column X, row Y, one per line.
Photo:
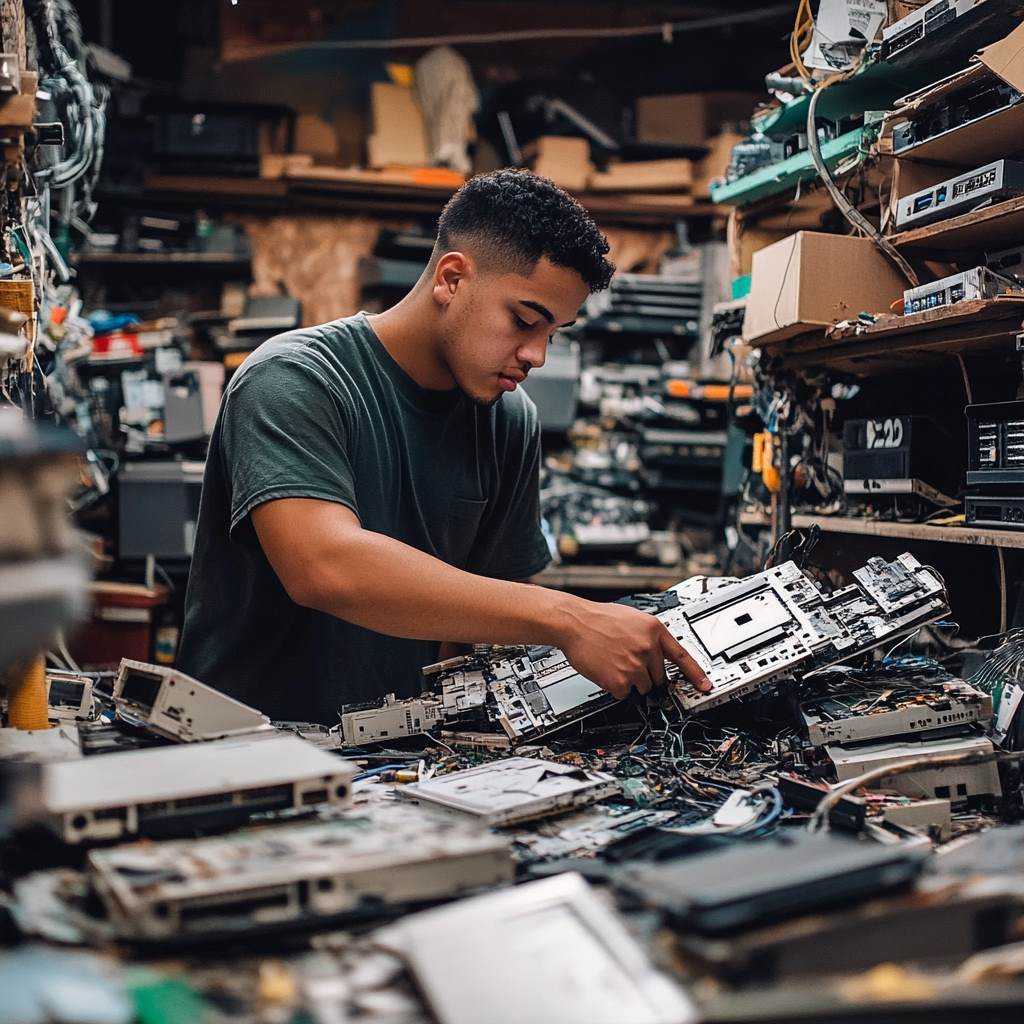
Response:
column 620, row 691
column 642, row 682
column 656, row 667
column 676, row 653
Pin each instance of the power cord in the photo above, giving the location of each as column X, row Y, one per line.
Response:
column 845, row 207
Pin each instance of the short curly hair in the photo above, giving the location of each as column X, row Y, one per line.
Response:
column 514, row 218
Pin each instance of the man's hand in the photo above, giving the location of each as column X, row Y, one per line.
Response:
column 621, row 648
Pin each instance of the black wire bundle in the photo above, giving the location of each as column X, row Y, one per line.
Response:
column 80, row 105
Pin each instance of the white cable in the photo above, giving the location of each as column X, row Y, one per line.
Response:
column 820, row 817
column 62, row 647
column 846, row 208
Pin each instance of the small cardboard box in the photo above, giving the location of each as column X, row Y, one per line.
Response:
column 566, row 161
column 19, row 110
column 315, row 136
column 399, row 130
column 810, row 280
column 645, row 176
column 278, row 165
column 900, row 9
column 687, row 119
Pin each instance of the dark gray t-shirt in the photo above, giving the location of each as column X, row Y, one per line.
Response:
column 327, row 413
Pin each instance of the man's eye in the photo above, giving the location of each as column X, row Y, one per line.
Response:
column 521, row 323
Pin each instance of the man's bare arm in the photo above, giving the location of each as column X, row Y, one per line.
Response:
column 327, row 561
column 450, row 649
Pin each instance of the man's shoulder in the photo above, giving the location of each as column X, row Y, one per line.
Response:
column 322, row 350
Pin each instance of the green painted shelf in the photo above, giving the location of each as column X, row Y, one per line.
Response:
column 780, row 177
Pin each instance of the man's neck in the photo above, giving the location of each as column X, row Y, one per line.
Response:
column 409, row 333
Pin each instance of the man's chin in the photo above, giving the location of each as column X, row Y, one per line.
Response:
column 484, row 401
column 483, row 397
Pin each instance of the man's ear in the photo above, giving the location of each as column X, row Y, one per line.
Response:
column 452, row 269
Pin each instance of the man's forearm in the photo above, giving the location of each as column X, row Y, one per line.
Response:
column 382, row 584
column 330, row 563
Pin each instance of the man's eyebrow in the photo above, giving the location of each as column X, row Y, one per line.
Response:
column 538, row 308
column 544, row 312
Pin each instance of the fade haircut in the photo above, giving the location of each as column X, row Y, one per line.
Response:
column 512, row 219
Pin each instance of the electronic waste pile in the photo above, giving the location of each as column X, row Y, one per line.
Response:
column 651, row 860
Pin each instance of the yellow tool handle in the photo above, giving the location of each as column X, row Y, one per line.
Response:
column 26, row 696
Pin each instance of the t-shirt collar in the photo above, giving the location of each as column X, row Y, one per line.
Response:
column 425, row 399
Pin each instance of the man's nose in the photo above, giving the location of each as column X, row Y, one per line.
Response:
column 533, row 354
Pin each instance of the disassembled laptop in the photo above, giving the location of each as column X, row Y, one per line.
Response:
column 745, row 634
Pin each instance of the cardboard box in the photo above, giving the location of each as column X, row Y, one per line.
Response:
column 315, row 136
column 899, row 9
column 566, row 161
column 399, row 130
column 278, row 165
column 19, row 110
column 644, row 176
column 810, row 280
column 688, row 119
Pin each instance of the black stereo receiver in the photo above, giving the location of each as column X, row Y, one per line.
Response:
column 995, row 510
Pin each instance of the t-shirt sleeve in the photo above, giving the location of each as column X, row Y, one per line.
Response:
column 511, row 544
column 284, row 434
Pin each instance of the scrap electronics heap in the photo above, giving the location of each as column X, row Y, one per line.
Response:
column 825, row 779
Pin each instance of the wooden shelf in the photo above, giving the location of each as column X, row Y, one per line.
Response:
column 220, row 259
column 852, row 525
column 895, row 343
column 995, row 227
column 217, row 188
column 356, row 194
column 620, row 576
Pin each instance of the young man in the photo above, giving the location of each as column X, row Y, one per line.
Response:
column 371, row 487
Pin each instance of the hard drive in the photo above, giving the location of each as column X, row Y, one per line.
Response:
column 513, row 790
